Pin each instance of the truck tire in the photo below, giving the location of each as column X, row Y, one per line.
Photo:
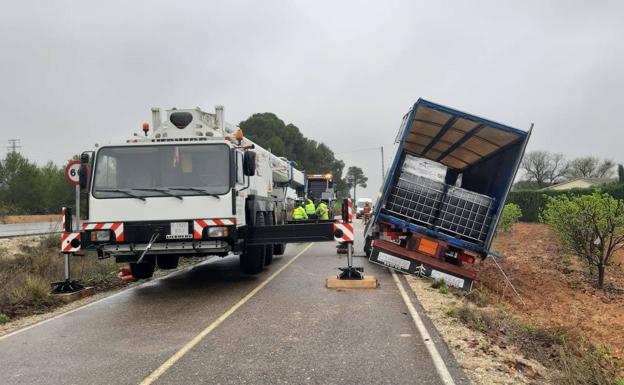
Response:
column 167, row 262
column 145, row 269
column 279, row 248
column 252, row 258
column 268, row 252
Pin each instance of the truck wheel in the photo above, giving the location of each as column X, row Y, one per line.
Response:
column 279, row 248
column 268, row 252
column 144, row 269
column 367, row 246
column 167, row 262
column 252, row 258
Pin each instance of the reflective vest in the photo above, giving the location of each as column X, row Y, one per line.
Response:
column 322, row 211
column 299, row 214
column 310, row 209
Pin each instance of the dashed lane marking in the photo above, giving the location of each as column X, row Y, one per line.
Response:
column 197, row 339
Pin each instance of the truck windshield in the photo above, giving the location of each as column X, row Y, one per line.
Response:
column 174, row 169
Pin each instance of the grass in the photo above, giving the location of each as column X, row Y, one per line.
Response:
column 575, row 359
column 26, row 277
column 441, row 285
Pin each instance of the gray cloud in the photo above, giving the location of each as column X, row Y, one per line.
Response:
column 76, row 73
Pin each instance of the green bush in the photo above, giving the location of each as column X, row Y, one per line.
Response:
column 3, row 318
column 510, row 216
column 532, row 202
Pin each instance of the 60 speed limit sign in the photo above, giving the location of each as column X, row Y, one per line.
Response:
column 71, row 172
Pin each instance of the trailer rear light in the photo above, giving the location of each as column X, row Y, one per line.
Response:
column 217, row 232
column 100, row 236
column 466, row 258
column 428, row 247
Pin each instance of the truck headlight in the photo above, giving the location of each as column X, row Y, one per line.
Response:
column 217, row 232
column 100, row 236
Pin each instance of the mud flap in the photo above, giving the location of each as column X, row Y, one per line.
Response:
column 405, row 264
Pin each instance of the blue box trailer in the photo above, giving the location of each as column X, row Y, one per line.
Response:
column 441, row 226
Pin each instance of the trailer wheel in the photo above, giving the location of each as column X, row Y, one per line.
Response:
column 367, row 246
column 167, row 262
column 252, row 258
column 279, row 248
column 144, row 269
column 268, row 252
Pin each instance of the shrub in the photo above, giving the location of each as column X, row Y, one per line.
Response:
column 3, row 318
column 532, row 202
column 591, row 226
column 510, row 216
column 438, row 283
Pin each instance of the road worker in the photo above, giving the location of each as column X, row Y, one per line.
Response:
column 310, row 209
column 299, row 213
column 366, row 211
column 322, row 211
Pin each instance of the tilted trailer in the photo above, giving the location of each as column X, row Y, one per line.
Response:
column 444, row 193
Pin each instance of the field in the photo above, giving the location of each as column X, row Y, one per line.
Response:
column 555, row 287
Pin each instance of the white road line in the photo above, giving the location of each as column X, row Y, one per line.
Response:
column 45, row 321
column 197, row 339
column 438, row 362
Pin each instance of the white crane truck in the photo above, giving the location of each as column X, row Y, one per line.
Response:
column 193, row 186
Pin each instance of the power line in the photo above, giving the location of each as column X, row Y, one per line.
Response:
column 14, row 144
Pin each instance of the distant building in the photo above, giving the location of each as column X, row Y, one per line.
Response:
column 579, row 183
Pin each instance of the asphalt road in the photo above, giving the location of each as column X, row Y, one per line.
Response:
column 292, row 330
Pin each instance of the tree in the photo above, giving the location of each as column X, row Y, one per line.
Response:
column 592, row 226
column 20, row 186
column 590, row 167
column 355, row 177
column 620, row 172
column 286, row 140
column 544, row 168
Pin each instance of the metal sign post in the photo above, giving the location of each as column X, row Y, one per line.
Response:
column 70, row 242
column 349, row 272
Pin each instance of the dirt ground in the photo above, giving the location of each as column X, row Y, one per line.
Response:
column 10, row 219
column 9, row 247
column 482, row 360
column 554, row 286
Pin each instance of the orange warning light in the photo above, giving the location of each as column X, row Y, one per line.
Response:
column 239, row 135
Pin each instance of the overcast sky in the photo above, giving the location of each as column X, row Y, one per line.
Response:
column 77, row 73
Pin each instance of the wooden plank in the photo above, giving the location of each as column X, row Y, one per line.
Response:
column 71, row 297
column 368, row 282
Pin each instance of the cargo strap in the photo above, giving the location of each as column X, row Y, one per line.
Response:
column 494, row 256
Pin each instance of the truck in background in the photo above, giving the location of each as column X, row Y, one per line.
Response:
column 438, row 219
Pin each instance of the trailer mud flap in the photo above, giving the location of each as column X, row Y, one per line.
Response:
column 406, row 264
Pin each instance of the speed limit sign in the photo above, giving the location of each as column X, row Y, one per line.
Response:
column 71, row 172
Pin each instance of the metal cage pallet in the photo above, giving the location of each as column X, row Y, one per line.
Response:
column 446, row 208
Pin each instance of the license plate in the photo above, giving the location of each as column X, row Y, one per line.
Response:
column 178, row 230
column 392, row 261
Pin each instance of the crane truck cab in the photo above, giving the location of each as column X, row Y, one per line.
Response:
column 192, row 186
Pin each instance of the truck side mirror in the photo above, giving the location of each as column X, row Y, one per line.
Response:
column 83, row 172
column 249, row 163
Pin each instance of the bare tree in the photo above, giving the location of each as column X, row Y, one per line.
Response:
column 544, row 168
column 591, row 167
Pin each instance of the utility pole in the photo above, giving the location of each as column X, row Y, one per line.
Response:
column 383, row 166
column 14, row 144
